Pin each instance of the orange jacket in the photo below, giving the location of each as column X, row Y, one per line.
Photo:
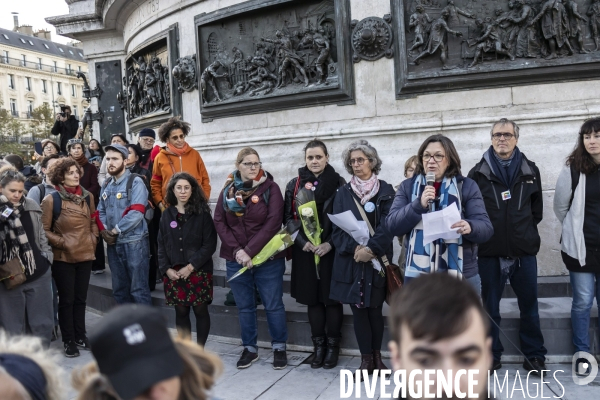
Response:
column 166, row 164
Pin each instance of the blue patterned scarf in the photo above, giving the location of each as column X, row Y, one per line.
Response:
column 424, row 259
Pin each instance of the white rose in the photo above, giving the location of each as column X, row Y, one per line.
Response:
column 307, row 212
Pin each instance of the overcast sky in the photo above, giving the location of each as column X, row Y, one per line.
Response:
column 33, row 12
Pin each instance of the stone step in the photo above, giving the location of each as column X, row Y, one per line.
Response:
column 548, row 286
column 555, row 313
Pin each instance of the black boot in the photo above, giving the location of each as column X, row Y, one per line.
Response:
column 320, row 343
column 378, row 364
column 366, row 363
column 333, row 351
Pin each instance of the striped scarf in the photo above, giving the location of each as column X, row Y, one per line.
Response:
column 441, row 255
column 236, row 191
column 14, row 242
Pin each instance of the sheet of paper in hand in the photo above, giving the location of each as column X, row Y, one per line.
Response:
column 436, row 225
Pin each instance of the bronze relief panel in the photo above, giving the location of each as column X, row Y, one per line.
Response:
column 256, row 57
column 460, row 44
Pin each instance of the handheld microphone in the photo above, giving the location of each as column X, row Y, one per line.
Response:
column 430, row 179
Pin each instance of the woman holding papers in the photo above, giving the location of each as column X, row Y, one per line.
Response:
column 247, row 216
column 438, row 184
column 310, row 282
column 355, row 279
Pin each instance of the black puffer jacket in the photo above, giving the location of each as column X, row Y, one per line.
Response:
column 193, row 242
column 514, row 220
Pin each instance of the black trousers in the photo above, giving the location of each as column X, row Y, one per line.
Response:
column 100, row 262
column 72, row 281
column 153, row 228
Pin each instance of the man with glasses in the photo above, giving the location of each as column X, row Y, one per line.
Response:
column 146, row 139
column 512, row 191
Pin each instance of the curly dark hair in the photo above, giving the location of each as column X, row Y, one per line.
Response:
column 197, row 204
column 164, row 131
column 57, row 171
column 580, row 159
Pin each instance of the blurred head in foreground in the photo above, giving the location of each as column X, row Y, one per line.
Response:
column 27, row 370
column 136, row 358
column 437, row 323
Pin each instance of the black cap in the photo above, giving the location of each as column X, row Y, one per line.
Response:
column 134, row 349
column 147, row 132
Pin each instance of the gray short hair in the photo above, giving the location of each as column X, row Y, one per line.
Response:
column 504, row 121
column 369, row 151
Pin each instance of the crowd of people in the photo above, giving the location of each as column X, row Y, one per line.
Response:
column 149, row 207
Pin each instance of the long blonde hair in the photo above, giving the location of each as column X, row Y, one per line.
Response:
column 200, row 371
column 32, row 348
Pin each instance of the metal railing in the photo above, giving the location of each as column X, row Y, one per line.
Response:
column 37, row 65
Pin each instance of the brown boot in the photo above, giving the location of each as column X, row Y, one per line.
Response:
column 377, row 363
column 366, row 363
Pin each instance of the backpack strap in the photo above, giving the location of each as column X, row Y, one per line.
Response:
column 574, row 183
column 129, row 184
column 56, row 206
column 42, row 188
column 128, row 189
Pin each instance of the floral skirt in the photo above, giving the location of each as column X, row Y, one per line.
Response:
column 196, row 289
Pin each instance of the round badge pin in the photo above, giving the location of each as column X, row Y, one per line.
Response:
column 308, row 186
column 313, row 188
column 255, row 199
column 316, row 183
column 369, row 207
column 173, row 224
column 119, row 195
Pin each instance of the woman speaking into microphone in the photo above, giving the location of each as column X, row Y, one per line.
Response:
column 437, row 184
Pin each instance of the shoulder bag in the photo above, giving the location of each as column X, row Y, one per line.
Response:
column 393, row 276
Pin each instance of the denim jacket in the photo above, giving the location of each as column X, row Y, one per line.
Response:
column 114, row 203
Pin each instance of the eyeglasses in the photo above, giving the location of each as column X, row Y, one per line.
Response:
column 147, row 139
column 183, row 189
column 436, row 157
column 505, row 135
column 359, row 161
column 252, row 165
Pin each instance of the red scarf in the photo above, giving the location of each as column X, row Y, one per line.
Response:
column 178, row 152
column 73, row 190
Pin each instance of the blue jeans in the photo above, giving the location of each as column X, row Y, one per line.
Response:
column 129, row 264
column 585, row 285
column 475, row 282
column 268, row 278
column 523, row 280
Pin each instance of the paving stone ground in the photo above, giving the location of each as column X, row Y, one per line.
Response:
column 300, row 382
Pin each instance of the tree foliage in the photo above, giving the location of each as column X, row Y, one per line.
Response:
column 41, row 122
column 11, row 131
